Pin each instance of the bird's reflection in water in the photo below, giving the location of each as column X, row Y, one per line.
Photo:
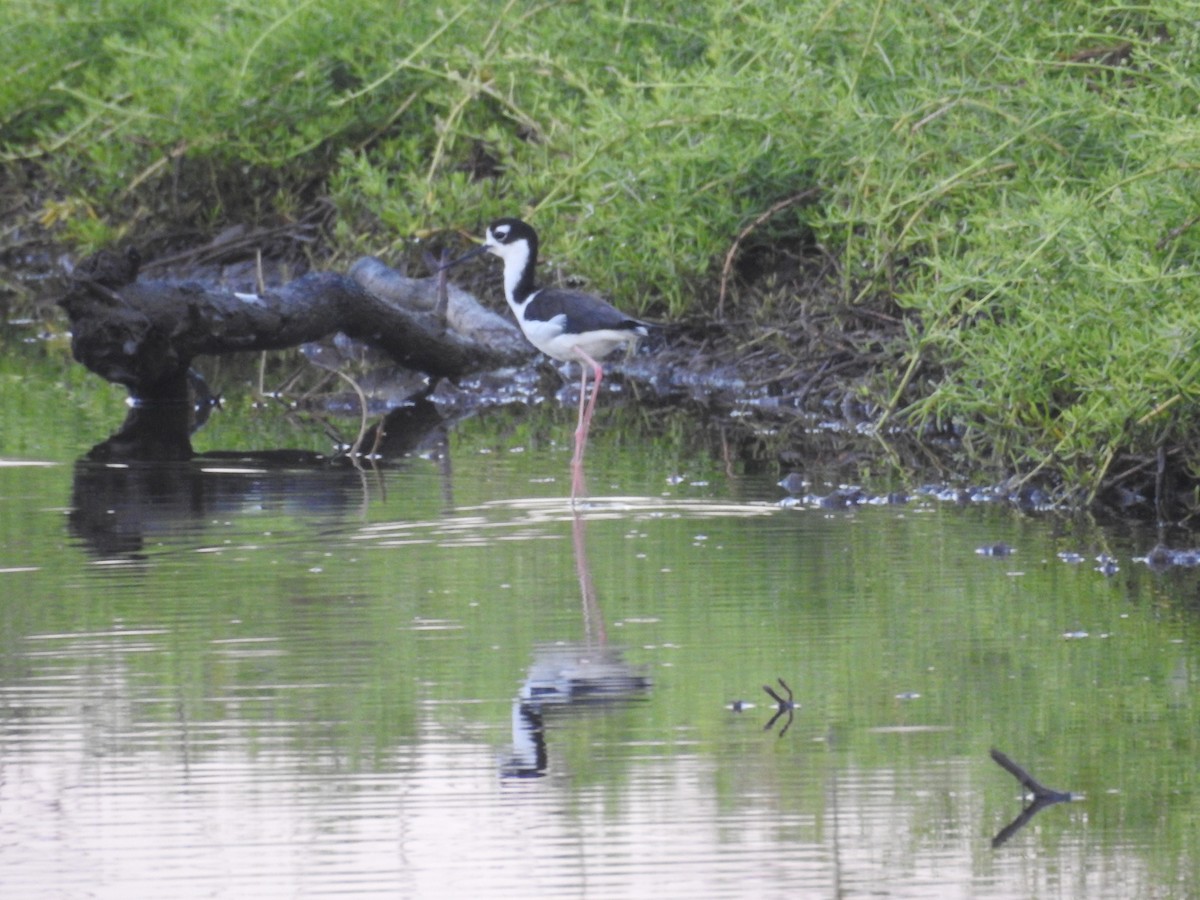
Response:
column 569, row 677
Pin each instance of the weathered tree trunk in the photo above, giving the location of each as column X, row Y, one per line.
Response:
column 145, row 335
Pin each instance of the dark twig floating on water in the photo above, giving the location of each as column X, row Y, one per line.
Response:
column 782, row 706
column 1030, row 783
column 1042, row 797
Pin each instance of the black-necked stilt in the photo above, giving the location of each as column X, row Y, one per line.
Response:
column 567, row 325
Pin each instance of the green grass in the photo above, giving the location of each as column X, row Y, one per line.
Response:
column 1028, row 201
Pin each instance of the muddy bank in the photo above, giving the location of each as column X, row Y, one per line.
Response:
column 784, row 375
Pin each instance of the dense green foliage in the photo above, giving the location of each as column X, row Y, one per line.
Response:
column 1020, row 179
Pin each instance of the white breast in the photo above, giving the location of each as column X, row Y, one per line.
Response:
column 549, row 337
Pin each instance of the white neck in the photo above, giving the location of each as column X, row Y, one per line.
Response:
column 516, row 259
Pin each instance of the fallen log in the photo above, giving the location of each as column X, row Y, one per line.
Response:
column 145, row 334
column 465, row 315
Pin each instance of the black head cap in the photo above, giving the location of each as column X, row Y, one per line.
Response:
column 509, row 230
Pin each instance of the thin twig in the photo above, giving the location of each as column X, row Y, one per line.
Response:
column 1031, row 784
column 362, row 401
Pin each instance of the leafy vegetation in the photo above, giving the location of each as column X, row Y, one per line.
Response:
column 1016, row 185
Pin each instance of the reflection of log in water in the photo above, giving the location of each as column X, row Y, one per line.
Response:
column 570, row 677
column 1042, row 797
column 115, row 509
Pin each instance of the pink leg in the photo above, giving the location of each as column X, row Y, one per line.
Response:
column 586, row 410
column 578, row 488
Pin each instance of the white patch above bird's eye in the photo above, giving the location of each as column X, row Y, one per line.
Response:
column 501, row 232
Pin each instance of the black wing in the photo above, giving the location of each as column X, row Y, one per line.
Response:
column 584, row 312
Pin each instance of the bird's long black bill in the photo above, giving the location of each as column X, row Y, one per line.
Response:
column 482, row 248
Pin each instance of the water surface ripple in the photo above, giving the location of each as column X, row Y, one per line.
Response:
column 237, row 682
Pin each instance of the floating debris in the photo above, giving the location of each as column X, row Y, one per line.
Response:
column 983, row 495
column 842, row 498
column 1161, row 558
column 782, row 705
column 795, row 483
column 1042, row 797
column 942, row 492
column 1069, row 556
column 1026, row 498
column 997, row 549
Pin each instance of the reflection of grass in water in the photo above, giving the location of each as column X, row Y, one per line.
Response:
column 53, row 408
column 301, row 632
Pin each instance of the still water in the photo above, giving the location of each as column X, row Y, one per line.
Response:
column 438, row 680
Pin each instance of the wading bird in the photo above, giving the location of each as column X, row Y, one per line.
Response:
column 566, row 325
